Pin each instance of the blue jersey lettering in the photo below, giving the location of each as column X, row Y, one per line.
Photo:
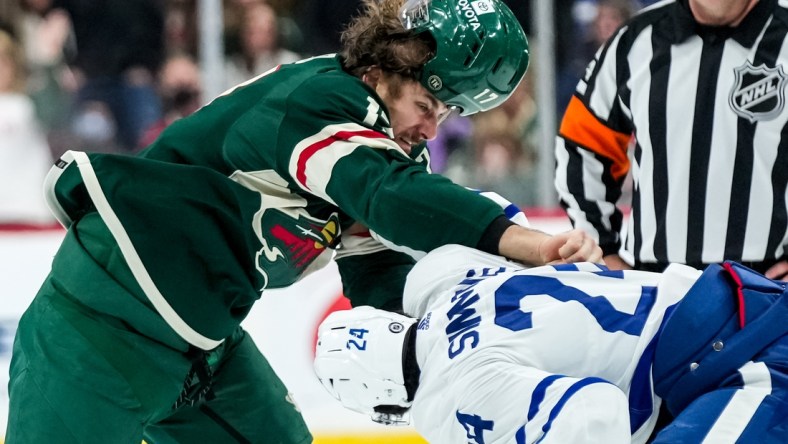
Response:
column 474, row 426
column 464, row 320
column 509, row 315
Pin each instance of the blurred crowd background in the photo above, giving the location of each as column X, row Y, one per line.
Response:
column 109, row 75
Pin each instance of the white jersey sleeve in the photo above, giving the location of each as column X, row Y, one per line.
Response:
column 516, row 355
column 504, row 402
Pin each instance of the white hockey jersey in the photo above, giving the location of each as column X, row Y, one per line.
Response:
column 554, row 354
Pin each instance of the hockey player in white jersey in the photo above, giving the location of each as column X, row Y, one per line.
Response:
column 492, row 352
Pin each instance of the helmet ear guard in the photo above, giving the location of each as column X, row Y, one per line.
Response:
column 481, row 51
column 359, row 360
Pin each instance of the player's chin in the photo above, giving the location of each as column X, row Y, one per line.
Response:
column 405, row 146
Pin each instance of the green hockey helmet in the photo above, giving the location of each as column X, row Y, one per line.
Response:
column 481, row 51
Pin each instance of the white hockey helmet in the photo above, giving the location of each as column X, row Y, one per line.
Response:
column 359, row 361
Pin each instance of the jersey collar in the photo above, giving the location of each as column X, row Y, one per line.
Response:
column 745, row 34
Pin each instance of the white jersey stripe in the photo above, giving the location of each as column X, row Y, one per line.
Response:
column 132, row 258
column 742, row 406
column 568, row 394
column 592, row 174
column 605, row 93
column 682, row 85
column 312, row 163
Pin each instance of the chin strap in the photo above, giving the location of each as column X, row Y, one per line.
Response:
column 410, row 367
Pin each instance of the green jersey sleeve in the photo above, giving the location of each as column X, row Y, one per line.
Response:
column 334, row 142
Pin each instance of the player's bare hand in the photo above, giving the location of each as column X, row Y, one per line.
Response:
column 569, row 247
column 778, row 271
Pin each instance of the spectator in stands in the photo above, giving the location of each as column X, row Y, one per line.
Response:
column 323, row 21
column 120, row 47
column 501, row 156
column 610, row 14
column 47, row 37
column 260, row 48
column 24, row 153
column 180, row 88
column 180, row 27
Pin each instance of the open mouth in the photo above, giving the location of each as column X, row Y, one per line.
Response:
column 407, row 144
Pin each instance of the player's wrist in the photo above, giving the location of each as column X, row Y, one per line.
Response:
column 525, row 245
column 491, row 239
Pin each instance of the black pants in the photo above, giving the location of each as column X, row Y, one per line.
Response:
column 659, row 267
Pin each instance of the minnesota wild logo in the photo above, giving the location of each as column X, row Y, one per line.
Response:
column 291, row 244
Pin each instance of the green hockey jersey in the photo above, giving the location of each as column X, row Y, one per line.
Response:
column 255, row 190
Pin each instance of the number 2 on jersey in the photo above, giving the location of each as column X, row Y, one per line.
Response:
column 509, row 295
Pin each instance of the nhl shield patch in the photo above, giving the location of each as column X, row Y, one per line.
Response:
column 758, row 93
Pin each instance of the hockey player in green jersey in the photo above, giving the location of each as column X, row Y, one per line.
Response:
column 136, row 331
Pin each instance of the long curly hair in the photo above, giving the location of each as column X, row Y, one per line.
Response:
column 377, row 38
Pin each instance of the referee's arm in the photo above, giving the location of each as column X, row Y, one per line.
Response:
column 591, row 165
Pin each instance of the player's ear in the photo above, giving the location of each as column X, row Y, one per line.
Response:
column 372, row 76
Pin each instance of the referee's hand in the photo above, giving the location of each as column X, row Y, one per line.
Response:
column 778, row 271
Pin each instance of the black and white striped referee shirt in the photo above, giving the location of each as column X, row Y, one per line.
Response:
column 705, row 110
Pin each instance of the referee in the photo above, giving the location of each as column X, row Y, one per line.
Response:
column 697, row 89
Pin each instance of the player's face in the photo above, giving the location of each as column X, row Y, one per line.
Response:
column 415, row 113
